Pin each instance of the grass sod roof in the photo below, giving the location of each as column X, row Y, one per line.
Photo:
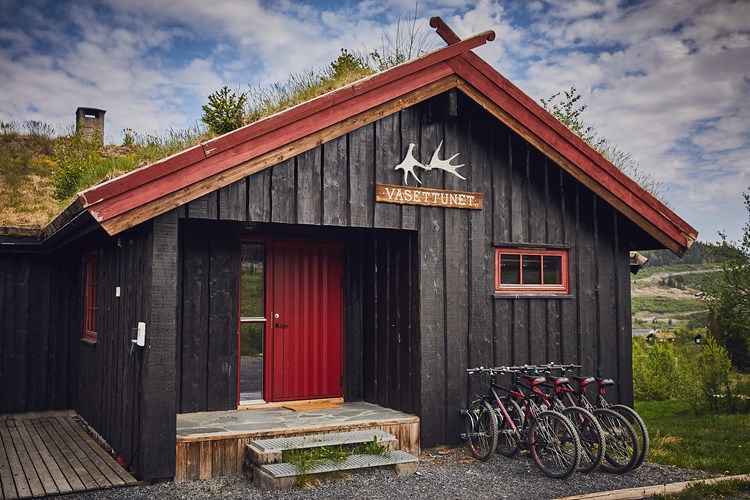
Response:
column 139, row 195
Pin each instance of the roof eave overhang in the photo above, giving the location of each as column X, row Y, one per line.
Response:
column 133, row 198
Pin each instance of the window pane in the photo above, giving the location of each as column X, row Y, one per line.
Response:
column 553, row 270
column 510, row 269
column 251, row 356
column 532, row 269
column 251, row 296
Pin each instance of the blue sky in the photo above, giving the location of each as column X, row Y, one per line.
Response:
column 667, row 81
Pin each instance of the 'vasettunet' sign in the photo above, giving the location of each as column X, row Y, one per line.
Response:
column 429, row 197
column 405, row 195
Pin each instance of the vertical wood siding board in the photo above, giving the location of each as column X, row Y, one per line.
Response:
column 568, row 308
column 388, row 134
column 309, row 194
column 608, row 327
column 415, row 336
column 180, row 317
column 382, row 330
column 39, row 328
column 521, row 354
column 212, row 202
column 222, row 335
column 354, row 320
column 432, row 326
column 158, row 422
column 538, row 197
column 587, row 286
column 625, row 340
column 538, row 331
column 370, row 318
column 335, row 188
column 405, row 328
column 394, row 322
column 283, row 197
column 457, row 268
column 6, row 346
column 360, row 174
column 518, row 196
column 198, row 208
column 257, row 195
column 21, row 333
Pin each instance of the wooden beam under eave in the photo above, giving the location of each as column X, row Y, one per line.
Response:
column 161, row 205
column 668, row 241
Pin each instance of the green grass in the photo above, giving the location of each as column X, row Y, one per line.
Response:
column 734, row 488
column 673, row 269
column 719, row 444
column 666, row 305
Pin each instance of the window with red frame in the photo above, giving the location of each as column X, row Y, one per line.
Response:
column 531, row 271
column 90, row 294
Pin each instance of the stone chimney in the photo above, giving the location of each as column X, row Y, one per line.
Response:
column 90, row 124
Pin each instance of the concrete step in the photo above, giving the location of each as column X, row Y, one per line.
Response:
column 269, row 451
column 283, row 476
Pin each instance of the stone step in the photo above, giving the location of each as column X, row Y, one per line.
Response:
column 283, row 476
column 269, row 451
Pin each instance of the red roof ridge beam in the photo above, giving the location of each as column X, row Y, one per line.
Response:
column 174, row 163
column 609, row 176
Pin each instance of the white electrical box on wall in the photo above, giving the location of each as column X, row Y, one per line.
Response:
column 140, row 338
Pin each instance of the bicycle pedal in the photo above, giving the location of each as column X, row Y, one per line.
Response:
column 464, row 436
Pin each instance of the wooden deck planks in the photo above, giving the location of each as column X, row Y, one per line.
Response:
column 50, row 454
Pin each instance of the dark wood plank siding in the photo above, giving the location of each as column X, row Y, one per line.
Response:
column 207, row 329
column 454, row 318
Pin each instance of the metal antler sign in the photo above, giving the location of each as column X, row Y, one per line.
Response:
column 405, row 195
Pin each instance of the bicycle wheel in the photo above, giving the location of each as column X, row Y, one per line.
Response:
column 554, row 445
column 622, row 445
column 639, row 426
column 507, row 439
column 481, row 429
column 591, row 434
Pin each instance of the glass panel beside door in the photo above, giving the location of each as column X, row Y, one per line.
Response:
column 252, row 323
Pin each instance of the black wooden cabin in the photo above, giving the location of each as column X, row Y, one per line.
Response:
column 393, row 292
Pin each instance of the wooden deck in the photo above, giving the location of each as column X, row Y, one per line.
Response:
column 49, row 454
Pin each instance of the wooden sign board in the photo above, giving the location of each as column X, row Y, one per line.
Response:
column 404, row 195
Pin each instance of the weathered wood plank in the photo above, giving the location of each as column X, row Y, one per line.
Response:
column 14, row 475
column 69, row 453
column 114, row 472
column 456, row 299
column 388, row 152
column 259, row 196
column 195, row 321
column 60, row 483
column 521, row 331
column 335, row 184
column 84, row 442
column 283, row 196
column 361, row 176
column 36, row 459
column 309, row 187
column 157, row 407
column 588, row 288
column 58, row 451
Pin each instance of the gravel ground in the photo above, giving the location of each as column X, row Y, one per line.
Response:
column 442, row 473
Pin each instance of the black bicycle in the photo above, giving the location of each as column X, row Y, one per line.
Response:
column 549, row 436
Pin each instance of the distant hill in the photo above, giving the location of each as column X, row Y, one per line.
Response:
column 698, row 254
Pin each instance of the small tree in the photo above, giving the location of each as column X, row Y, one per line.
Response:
column 729, row 296
column 224, row 111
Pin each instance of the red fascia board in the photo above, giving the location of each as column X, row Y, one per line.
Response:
column 550, row 121
column 207, row 167
column 577, row 151
column 232, row 139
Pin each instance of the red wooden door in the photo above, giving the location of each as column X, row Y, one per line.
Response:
column 304, row 345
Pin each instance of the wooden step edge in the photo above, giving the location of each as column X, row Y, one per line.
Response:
column 282, row 476
column 266, row 452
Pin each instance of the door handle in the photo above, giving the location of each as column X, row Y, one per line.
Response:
column 279, row 325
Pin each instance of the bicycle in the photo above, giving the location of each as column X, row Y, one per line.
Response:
column 590, row 431
column 550, row 438
column 626, row 450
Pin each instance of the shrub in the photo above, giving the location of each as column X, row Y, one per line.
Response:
column 224, row 110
